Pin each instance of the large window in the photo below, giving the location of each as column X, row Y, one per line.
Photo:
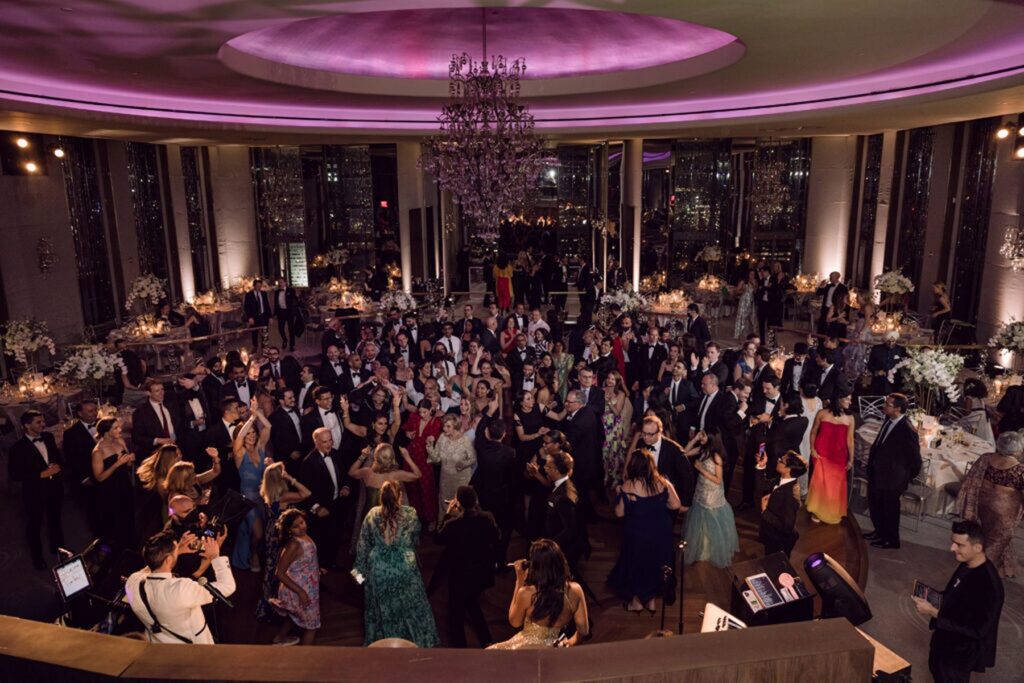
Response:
column 148, row 208
column 204, row 274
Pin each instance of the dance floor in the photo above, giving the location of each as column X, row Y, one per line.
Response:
column 341, row 599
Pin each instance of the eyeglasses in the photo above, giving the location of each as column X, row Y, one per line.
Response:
column 651, row 434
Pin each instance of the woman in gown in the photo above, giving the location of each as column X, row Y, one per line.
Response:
column 993, row 495
column 746, row 311
column 374, row 467
column 508, row 335
column 746, row 362
column 616, row 420
column 395, row 602
column 111, row 470
column 563, row 363
column 832, row 454
column 250, row 459
column 647, row 501
column 420, row 426
column 279, row 492
column 544, row 601
column 812, row 405
column 457, row 458
column 941, row 308
column 298, row 594
column 503, row 283
column 710, row 524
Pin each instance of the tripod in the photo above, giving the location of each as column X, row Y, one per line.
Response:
column 667, row 577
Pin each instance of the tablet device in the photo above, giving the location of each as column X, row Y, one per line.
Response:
column 765, row 590
column 926, row 592
column 72, row 578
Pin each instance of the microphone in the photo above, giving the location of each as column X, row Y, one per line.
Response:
column 205, row 583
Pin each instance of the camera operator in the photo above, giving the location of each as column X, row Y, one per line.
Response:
column 171, row 608
column 184, row 517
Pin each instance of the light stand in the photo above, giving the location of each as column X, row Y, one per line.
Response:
column 680, row 549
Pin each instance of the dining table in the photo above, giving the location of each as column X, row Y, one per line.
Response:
column 950, row 450
column 55, row 406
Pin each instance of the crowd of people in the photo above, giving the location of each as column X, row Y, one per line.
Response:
column 479, row 428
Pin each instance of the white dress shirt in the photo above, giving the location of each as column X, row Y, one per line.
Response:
column 330, row 421
column 41, row 447
column 243, row 392
column 177, row 602
column 329, row 464
column 302, row 395
column 454, row 345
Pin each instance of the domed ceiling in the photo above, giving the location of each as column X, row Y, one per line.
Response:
column 276, row 70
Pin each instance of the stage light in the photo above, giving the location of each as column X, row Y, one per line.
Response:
column 58, row 152
column 31, row 167
column 21, row 142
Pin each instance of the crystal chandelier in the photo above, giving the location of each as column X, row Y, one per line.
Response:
column 1013, row 247
column 486, row 154
column 770, row 192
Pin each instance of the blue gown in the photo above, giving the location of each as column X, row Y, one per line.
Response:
column 250, row 476
column 646, row 547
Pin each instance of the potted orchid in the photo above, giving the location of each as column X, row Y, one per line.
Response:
column 928, row 372
column 1010, row 337
column 92, row 366
column 146, row 288
column 24, row 339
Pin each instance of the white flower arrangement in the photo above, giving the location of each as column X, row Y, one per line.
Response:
column 397, row 298
column 627, row 299
column 24, row 337
column 331, row 258
column 893, row 282
column 148, row 288
column 712, row 253
column 138, row 328
column 1009, row 337
column 91, row 364
column 710, row 283
column 931, row 369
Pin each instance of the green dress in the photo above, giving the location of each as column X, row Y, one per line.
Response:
column 396, row 603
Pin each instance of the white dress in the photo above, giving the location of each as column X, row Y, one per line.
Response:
column 805, row 443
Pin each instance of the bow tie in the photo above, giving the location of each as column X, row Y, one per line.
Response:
column 89, row 425
column 37, row 439
column 236, row 422
column 336, row 365
column 773, row 401
column 241, row 384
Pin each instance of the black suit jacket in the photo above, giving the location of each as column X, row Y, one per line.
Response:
column 78, row 446
column 283, row 435
column 291, row 301
column 346, row 384
column 828, row 384
column 290, row 371
column 806, row 374
column 25, row 464
column 218, row 436
column 469, row 543
column 496, row 474
column 895, row 462
column 759, row 377
column 601, row 366
column 251, row 308
column 212, row 388
column 686, row 395
column 785, row 434
column 561, row 523
column 581, row 431
column 967, row 627
column 489, row 342
column 146, row 426
column 646, row 363
column 840, row 292
column 231, row 390
column 675, row 467
column 778, row 520
column 331, row 337
column 698, row 327
column 880, row 358
column 314, row 475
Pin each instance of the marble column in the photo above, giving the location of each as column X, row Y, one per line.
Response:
column 885, row 191
column 412, row 195
column 833, row 162
column 234, row 213
column 178, row 211
column 632, row 204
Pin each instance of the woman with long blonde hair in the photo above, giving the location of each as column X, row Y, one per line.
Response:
column 396, row 603
column 616, row 419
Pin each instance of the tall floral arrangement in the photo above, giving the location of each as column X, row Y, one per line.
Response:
column 1009, row 337
column 330, row 259
column 627, row 299
column 146, row 288
column 92, row 366
column 397, row 298
column 712, row 253
column 930, row 370
column 893, row 282
column 24, row 338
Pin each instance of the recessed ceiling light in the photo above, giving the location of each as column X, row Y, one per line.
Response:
column 31, row 167
column 21, row 142
column 58, row 152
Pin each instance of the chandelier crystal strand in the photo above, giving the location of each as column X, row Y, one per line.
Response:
column 1013, row 247
column 486, row 154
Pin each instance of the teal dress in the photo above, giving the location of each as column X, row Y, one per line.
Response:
column 396, row 603
column 250, row 477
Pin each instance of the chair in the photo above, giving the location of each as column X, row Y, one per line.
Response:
column 919, row 492
column 870, row 407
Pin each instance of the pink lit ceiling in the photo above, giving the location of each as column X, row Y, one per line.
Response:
column 252, row 71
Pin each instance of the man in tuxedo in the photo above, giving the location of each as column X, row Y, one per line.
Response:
column 219, row 435
column 328, row 482
column 761, row 296
column 213, row 382
column 256, row 306
column 286, row 431
column 893, row 462
column 763, row 409
column 711, row 362
column 322, row 416
column 831, row 291
column 286, row 310
column 668, row 456
column 469, row 536
column 881, row 359
column 779, row 503
column 581, row 429
column 697, row 326
column 682, row 398
column 334, row 369
column 787, row 430
column 406, row 350
column 283, row 371
column 194, row 414
column 649, row 356
column 518, row 357
column 79, row 440
column 830, row 377
column 731, row 422
column 966, row 624
column 410, row 327
column 240, row 388
column 469, row 323
column 562, row 523
column 307, row 386
column 593, row 397
column 333, row 336
column 795, row 372
column 36, row 462
column 489, row 337
column 605, row 362
column 152, row 422
column 585, row 286
column 762, row 371
column 526, row 380
column 494, row 481
column 452, row 344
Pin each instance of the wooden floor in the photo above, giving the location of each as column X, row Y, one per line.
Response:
column 341, row 599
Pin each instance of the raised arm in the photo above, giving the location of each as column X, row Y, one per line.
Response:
column 264, row 435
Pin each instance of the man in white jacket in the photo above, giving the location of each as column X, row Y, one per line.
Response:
column 171, row 608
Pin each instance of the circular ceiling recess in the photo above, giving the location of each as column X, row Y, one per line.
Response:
column 408, row 52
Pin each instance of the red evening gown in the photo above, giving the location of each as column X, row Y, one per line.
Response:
column 503, row 285
column 422, row 493
column 826, row 494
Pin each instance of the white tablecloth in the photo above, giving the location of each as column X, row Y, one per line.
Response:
column 949, row 459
